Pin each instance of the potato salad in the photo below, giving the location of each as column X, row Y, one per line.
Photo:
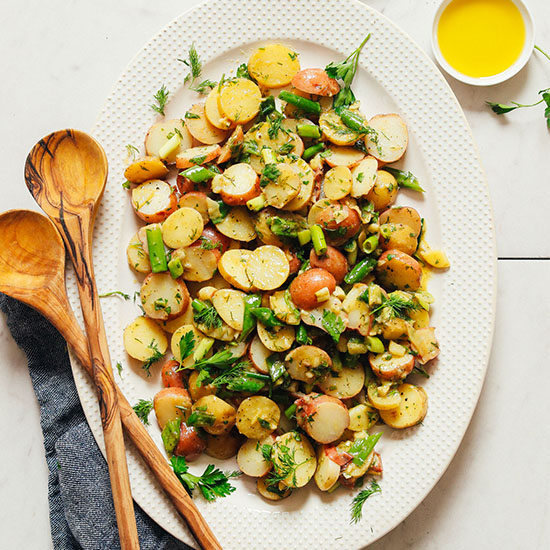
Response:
column 282, row 288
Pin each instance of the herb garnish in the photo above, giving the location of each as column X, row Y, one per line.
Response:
column 206, row 315
column 132, row 151
column 186, row 345
column 212, row 483
column 156, row 356
column 398, row 306
column 142, row 409
column 357, row 503
column 193, row 61
column 333, row 324
column 242, row 71
column 270, row 173
column 204, row 87
column 161, row 97
column 115, row 293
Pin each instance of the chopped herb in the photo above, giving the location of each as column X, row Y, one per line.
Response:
column 292, row 55
column 284, row 227
column 115, row 293
column 162, row 304
column 125, row 184
column 237, row 378
column 142, row 409
column 212, row 483
column 264, row 423
column 205, row 314
column 270, row 173
column 156, row 356
column 161, row 97
column 204, row 87
column 242, row 71
column 207, row 244
column 333, row 324
column 267, row 106
column 191, row 115
column 418, row 369
column 220, row 360
column 132, row 151
column 275, row 120
column 186, row 345
column 118, row 366
column 193, row 61
column 398, row 306
column 359, row 500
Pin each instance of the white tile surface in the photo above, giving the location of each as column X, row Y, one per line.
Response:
column 59, row 61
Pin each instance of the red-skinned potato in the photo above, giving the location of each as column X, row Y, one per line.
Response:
column 333, row 261
column 190, row 445
column 235, row 139
column 324, row 418
column 237, row 185
column 315, row 81
column 197, row 201
column 388, row 367
column 397, row 270
column 171, row 403
column 212, row 239
column 406, row 215
column 171, row 377
column 293, row 261
column 185, row 185
column 304, row 286
column 154, row 200
column 340, row 223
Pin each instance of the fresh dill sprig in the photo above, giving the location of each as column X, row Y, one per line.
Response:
column 206, row 315
column 398, row 306
column 357, row 503
column 161, row 97
column 132, row 151
column 115, row 293
column 156, row 356
column 142, row 409
column 194, row 63
column 204, row 87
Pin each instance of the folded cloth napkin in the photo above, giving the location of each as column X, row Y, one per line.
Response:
column 82, row 514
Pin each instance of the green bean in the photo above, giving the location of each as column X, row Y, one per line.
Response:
column 319, row 241
column 198, row 174
column 360, row 271
column 301, row 102
column 249, row 321
column 354, row 121
column 266, row 317
column 157, row 253
column 304, row 236
column 310, row 152
column 290, row 413
column 308, row 131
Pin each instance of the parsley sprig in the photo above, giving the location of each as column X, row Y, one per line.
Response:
column 142, row 409
column 212, row 483
column 357, row 503
column 333, row 324
column 161, row 97
column 205, row 314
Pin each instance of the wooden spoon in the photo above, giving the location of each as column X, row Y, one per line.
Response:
column 32, row 270
column 66, row 174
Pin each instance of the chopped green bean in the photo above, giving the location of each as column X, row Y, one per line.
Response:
column 301, row 102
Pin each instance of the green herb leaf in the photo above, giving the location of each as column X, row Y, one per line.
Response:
column 270, row 173
column 333, row 324
column 204, row 87
column 132, row 151
column 398, row 306
column 193, row 61
column 142, row 409
column 242, row 71
column 357, row 503
column 115, row 293
column 186, row 345
column 161, row 97
column 171, row 434
column 156, row 356
column 206, row 315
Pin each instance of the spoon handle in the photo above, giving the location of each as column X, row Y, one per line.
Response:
column 76, row 233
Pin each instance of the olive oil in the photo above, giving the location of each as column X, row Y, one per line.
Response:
column 481, row 38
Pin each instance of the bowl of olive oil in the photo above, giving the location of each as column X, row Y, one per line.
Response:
column 482, row 42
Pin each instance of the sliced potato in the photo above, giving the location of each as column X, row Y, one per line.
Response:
column 163, row 297
column 391, row 139
column 232, row 144
column 359, row 315
column 395, row 269
column 405, row 215
column 324, row 418
column 197, row 155
column 170, row 404
column 257, row 417
column 222, row 446
column 258, row 355
column 239, row 100
column 224, row 332
column 434, row 258
column 273, row 65
column 238, row 225
column 171, row 325
column 398, row 237
column 276, row 339
column 337, row 183
column 295, row 445
column 182, row 228
column 223, row 414
column 411, row 410
column 160, row 133
column 335, row 131
column 196, row 200
column 142, row 337
column 199, row 264
column 144, row 169
column 314, row 317
column 384, row 191
column 280, row 192
column 327, row 472
column 229, row 304
column 344, row 384
column 281, row 304
column 270, row 492
column 425, row 343
column 232, row 266
column 308, row 364
column 267, row 267
column 175, row 343
column 307, row 184
column 364, row 176
column 154, row 200
column 384, row 396
column 196, row 391
column 138, row 259
column 250, row 459
column 362, row 417
column 343, row 156
column 201, row 129
column 391, row 367
column 237, row 185
column 212, row 110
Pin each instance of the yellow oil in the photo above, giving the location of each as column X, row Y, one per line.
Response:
column 481, row 37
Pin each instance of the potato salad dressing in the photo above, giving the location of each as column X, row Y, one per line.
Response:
column 481, row 38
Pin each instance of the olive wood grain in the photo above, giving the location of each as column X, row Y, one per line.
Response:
column 66, row 174
column 32, row 270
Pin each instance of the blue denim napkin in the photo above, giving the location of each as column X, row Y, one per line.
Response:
column 82, row 515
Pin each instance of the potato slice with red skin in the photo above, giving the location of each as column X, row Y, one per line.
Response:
column 258, row 354
column 345, row 384
column 324, row 418
column 239, row 100
column 315, row 81
column 162, row 297
column 332, row 261
column 392, row 138
column 195, row 200
column 405, row 215
column 304, row 286
column 157, row 137
column 237, row 185
column 276, row 339
column 196, row 156
column 185, row 185
column 397, row 270
column 250, row 458
column 340, row 223
column 424, row 342
column 171, row 376
column 223, row 446
column 308, row 364
column 390, row 367
column 154, row 200
column 171, row 403
column 144, row 169
column 199, row 263
column 234, row 140
column 200, row 127
column 190, row 444
column 376, row 468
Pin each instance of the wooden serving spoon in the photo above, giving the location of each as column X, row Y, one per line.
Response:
column 66, row 174
column 32, row 270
